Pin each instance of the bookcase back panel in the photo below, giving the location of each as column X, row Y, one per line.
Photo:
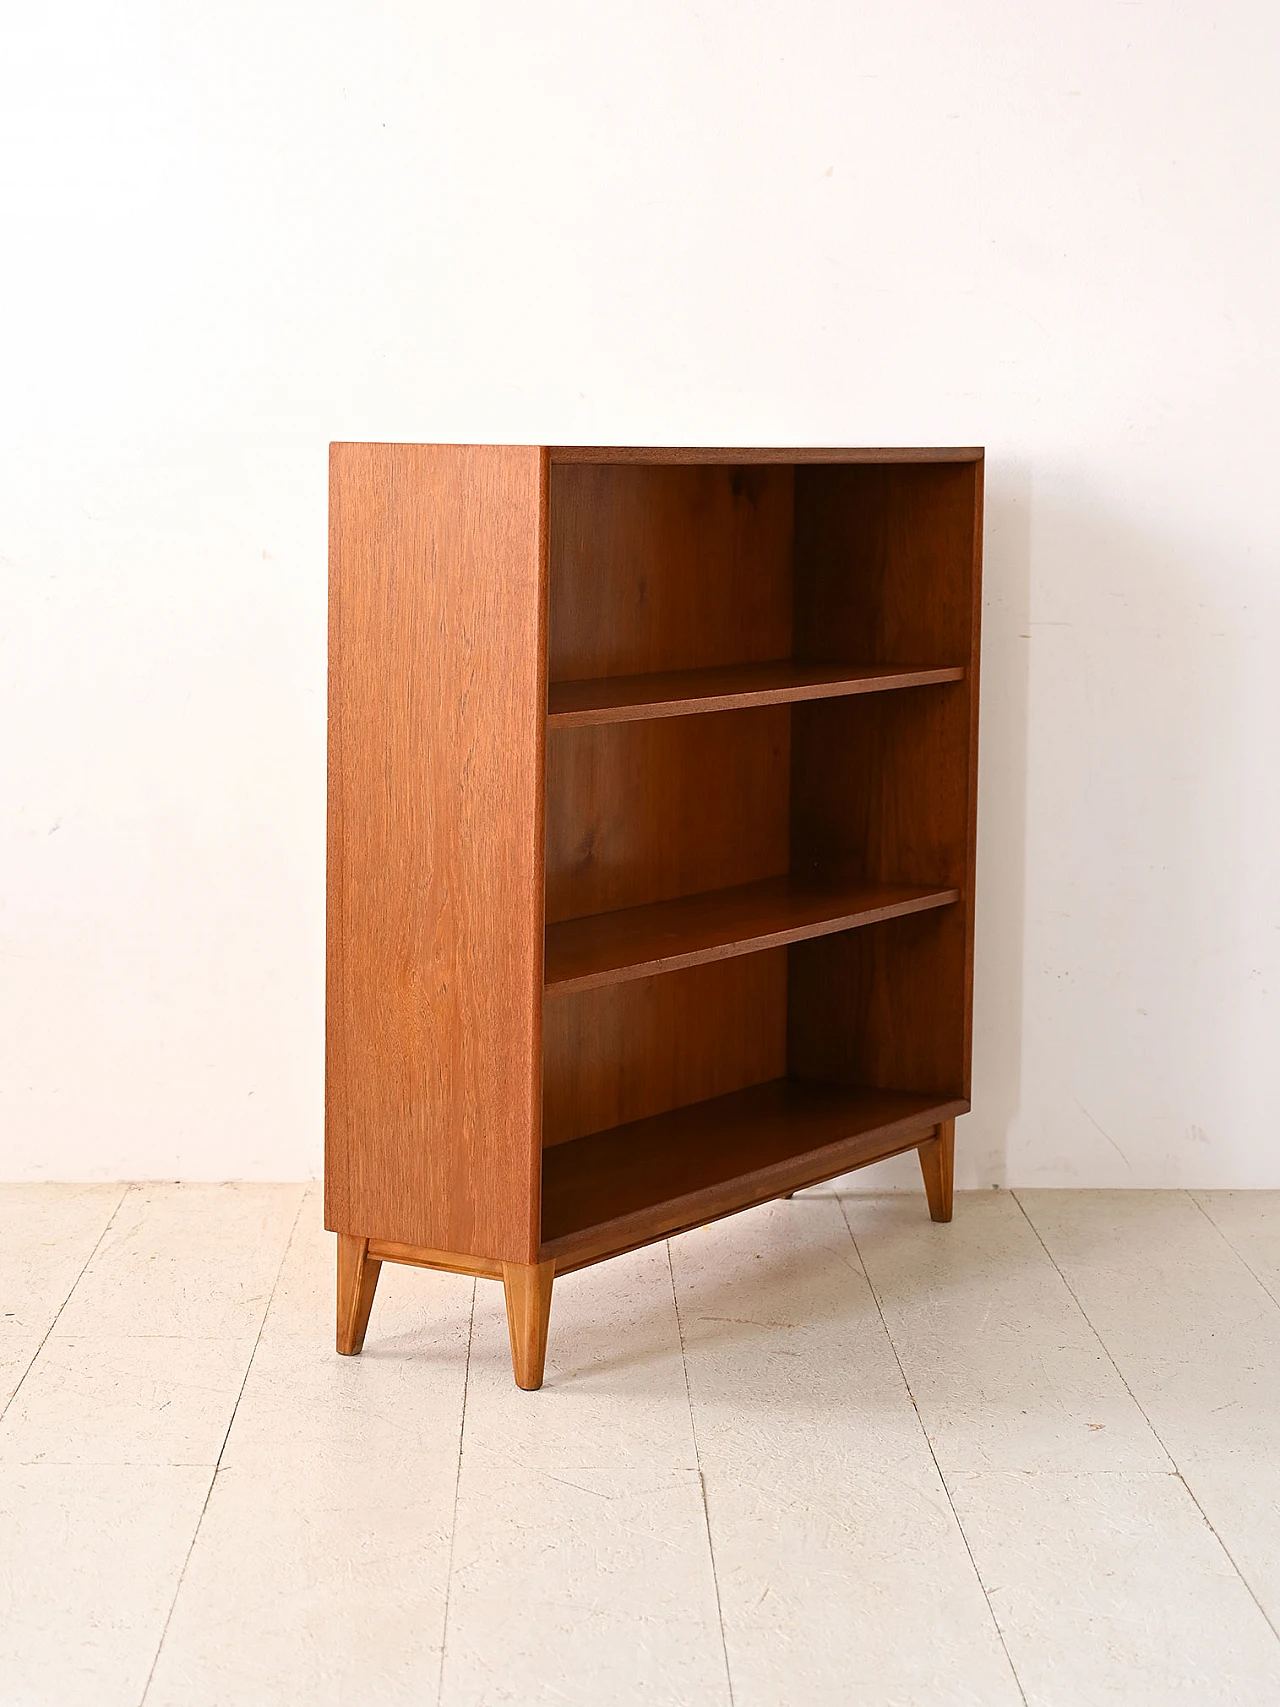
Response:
column 887, row 1006
column 885, row 562
column 672, row 568
column 881, row 785
column 640, row 812
column 627, row 1051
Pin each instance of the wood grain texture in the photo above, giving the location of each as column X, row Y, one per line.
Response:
column 683, row 693
column 436, row 777
column 971, row 760
column 880, row 786
column 668, row 568
column 358, row 1272
column 937, row 1164
column 625, row 1051
column 613, row 1190
column 885, row 792
column 528, row 1295
column 888, row 562
column 643, row 812
column 741, row 454
column 637, row 942
column 885, row 563
column 883, row 1006
column 420, row 1256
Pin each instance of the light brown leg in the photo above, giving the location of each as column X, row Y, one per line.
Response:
column 528, row 1290
column 357, row 1282
column 937, row 1164
column 787, row 1196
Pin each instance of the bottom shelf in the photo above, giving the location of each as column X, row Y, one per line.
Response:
column 613, row 1190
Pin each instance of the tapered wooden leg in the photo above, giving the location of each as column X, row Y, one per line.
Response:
column 937, row 1164
column 357, row 1283
column 528, row 1290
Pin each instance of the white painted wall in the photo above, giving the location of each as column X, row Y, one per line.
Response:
column 235, row 231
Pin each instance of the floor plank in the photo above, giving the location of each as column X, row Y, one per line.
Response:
column 117, row 1428
column 117, row 1400
column 1112, row 1591
column 588, row 1586
column 843, row 1574
column 185, row 1261
column 1006, row 1372
column 1250, row 1223
column 320, row 1569
column 89, row 1559
column 1196, row 1338
column 47, row 1235
column 735, row 1492
column 581, row 1571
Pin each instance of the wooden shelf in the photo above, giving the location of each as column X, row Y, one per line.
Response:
column 728, row 687
column 637, row 942
column 613, row 1190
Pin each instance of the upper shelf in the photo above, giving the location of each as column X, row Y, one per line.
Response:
column 639, row 942
column 726, row 687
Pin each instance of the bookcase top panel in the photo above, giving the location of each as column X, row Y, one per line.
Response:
column 745, row 453
column 739, row 454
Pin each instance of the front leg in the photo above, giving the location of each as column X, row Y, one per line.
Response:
column 528, row 1292
column 357, row 1281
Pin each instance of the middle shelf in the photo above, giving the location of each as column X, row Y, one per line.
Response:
column 727, row 687
column 637, row 942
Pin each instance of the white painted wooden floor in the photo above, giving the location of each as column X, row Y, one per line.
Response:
column 823, row 1453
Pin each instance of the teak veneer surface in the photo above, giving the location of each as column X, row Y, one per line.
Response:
column 676, row 567
column 612, row 1190
column 644, row 812
column 436, row 786
column 621, row 1052
column 748, row 456
column 681, row 693
column 937, row 1164
column 888, row 564
column 638, row 942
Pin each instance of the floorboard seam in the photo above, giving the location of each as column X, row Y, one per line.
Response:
column 946, row 1486
column 208, row 1493
column 31, row 1363
column 702, row 1480
column 457, row 1488
column 1238, row 1255
column 1177, row 1468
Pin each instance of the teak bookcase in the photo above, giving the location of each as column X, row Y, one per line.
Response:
column 651, row 840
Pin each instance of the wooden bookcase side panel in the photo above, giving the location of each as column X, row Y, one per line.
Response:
column 656, row 569
column 625, row 1052
column 436, row 780
column 969, row 899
